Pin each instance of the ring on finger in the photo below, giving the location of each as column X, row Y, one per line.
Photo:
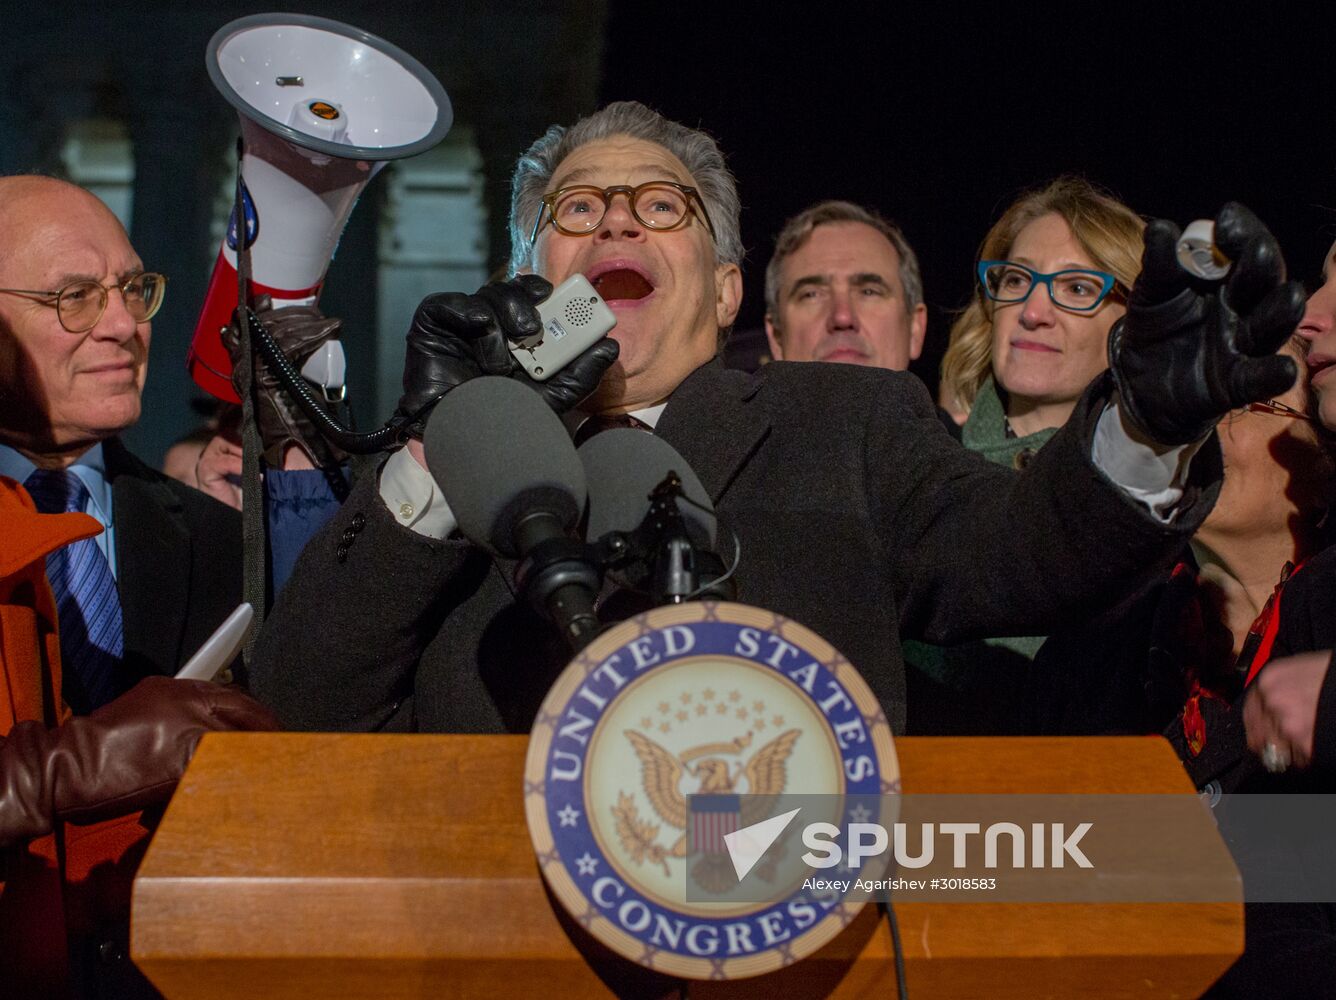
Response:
column 1274, row 758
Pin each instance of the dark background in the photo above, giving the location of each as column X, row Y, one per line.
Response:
column 936, row 114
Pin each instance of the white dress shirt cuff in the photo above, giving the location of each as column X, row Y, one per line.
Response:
column 413, row 497
column 1151, row 474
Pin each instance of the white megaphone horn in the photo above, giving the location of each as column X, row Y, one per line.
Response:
column 323, row 105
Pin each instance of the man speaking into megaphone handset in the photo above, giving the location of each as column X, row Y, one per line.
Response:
column 856, row 514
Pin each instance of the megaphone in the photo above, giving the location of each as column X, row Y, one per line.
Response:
column 323, row 106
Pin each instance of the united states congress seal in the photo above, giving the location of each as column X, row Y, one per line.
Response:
column 660, row 778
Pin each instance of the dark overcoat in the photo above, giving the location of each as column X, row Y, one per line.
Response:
column 858, row 516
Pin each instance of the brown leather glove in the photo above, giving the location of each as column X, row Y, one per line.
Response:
column 126, row 755
column 298, row 331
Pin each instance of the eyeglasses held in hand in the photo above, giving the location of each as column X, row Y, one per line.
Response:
column 1081, row 290
column 80, row 304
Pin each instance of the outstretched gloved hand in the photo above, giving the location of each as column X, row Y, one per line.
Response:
column 124, row 756
column 1189, row 351
column 456, row 337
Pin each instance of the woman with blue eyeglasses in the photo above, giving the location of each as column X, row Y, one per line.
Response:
column 1053, row 275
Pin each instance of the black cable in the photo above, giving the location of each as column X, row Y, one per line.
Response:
column 297, row 387
column 737, row 558
column 737, row 548
column 901, row 984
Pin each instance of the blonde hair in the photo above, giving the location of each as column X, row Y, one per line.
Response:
column 1109, row 231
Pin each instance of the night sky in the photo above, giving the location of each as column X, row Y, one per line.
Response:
column 939, row 114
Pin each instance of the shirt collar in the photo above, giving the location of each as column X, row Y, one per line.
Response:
column 649, row 416
column 14, row 464
column 91, row 468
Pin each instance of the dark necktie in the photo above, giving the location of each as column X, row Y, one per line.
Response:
column 91, row 638
column 599, row 423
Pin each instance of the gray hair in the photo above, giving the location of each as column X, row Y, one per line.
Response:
column 798, row 230
column 697, row 150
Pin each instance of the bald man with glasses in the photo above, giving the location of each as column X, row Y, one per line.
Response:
column 76, row 305
column 134, row 591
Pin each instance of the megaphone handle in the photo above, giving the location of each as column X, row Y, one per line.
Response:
column 255, row 582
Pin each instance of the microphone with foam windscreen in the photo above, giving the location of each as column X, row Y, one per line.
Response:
column 510, row 474
column 650, row 505
column 623, row 466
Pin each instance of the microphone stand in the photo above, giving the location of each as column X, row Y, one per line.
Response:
column 560, row 576
column 658, row 556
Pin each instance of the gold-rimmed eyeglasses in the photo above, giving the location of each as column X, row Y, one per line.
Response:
column 658, row 205
column 1277, row 408
column 80, row 304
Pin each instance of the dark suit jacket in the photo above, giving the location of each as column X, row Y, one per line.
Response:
column 1290, row 948
column 857, row 514
column 178, row 558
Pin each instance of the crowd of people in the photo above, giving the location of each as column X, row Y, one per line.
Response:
column 1114, row 522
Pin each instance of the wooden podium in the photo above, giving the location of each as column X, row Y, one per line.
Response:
column 395, row 866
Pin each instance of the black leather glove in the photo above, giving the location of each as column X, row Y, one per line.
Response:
column 1189, row 351
column 457, row 337
column 299, row 331
column 124, row 756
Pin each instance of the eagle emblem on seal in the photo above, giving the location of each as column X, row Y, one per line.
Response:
column 718, row 770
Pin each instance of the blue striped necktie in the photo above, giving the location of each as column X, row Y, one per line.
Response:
column 92, row 641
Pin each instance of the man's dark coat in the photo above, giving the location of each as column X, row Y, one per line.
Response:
column 858, row 516
column 178, row 562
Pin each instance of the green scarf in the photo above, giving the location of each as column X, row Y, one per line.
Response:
column 986, row 429
column 986, row 432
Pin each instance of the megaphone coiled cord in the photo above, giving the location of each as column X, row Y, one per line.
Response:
column 365, row 443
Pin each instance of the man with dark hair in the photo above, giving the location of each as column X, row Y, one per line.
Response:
column 844, row 285
column 855, row 511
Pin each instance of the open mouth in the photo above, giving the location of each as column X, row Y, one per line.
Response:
column 621, row 284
